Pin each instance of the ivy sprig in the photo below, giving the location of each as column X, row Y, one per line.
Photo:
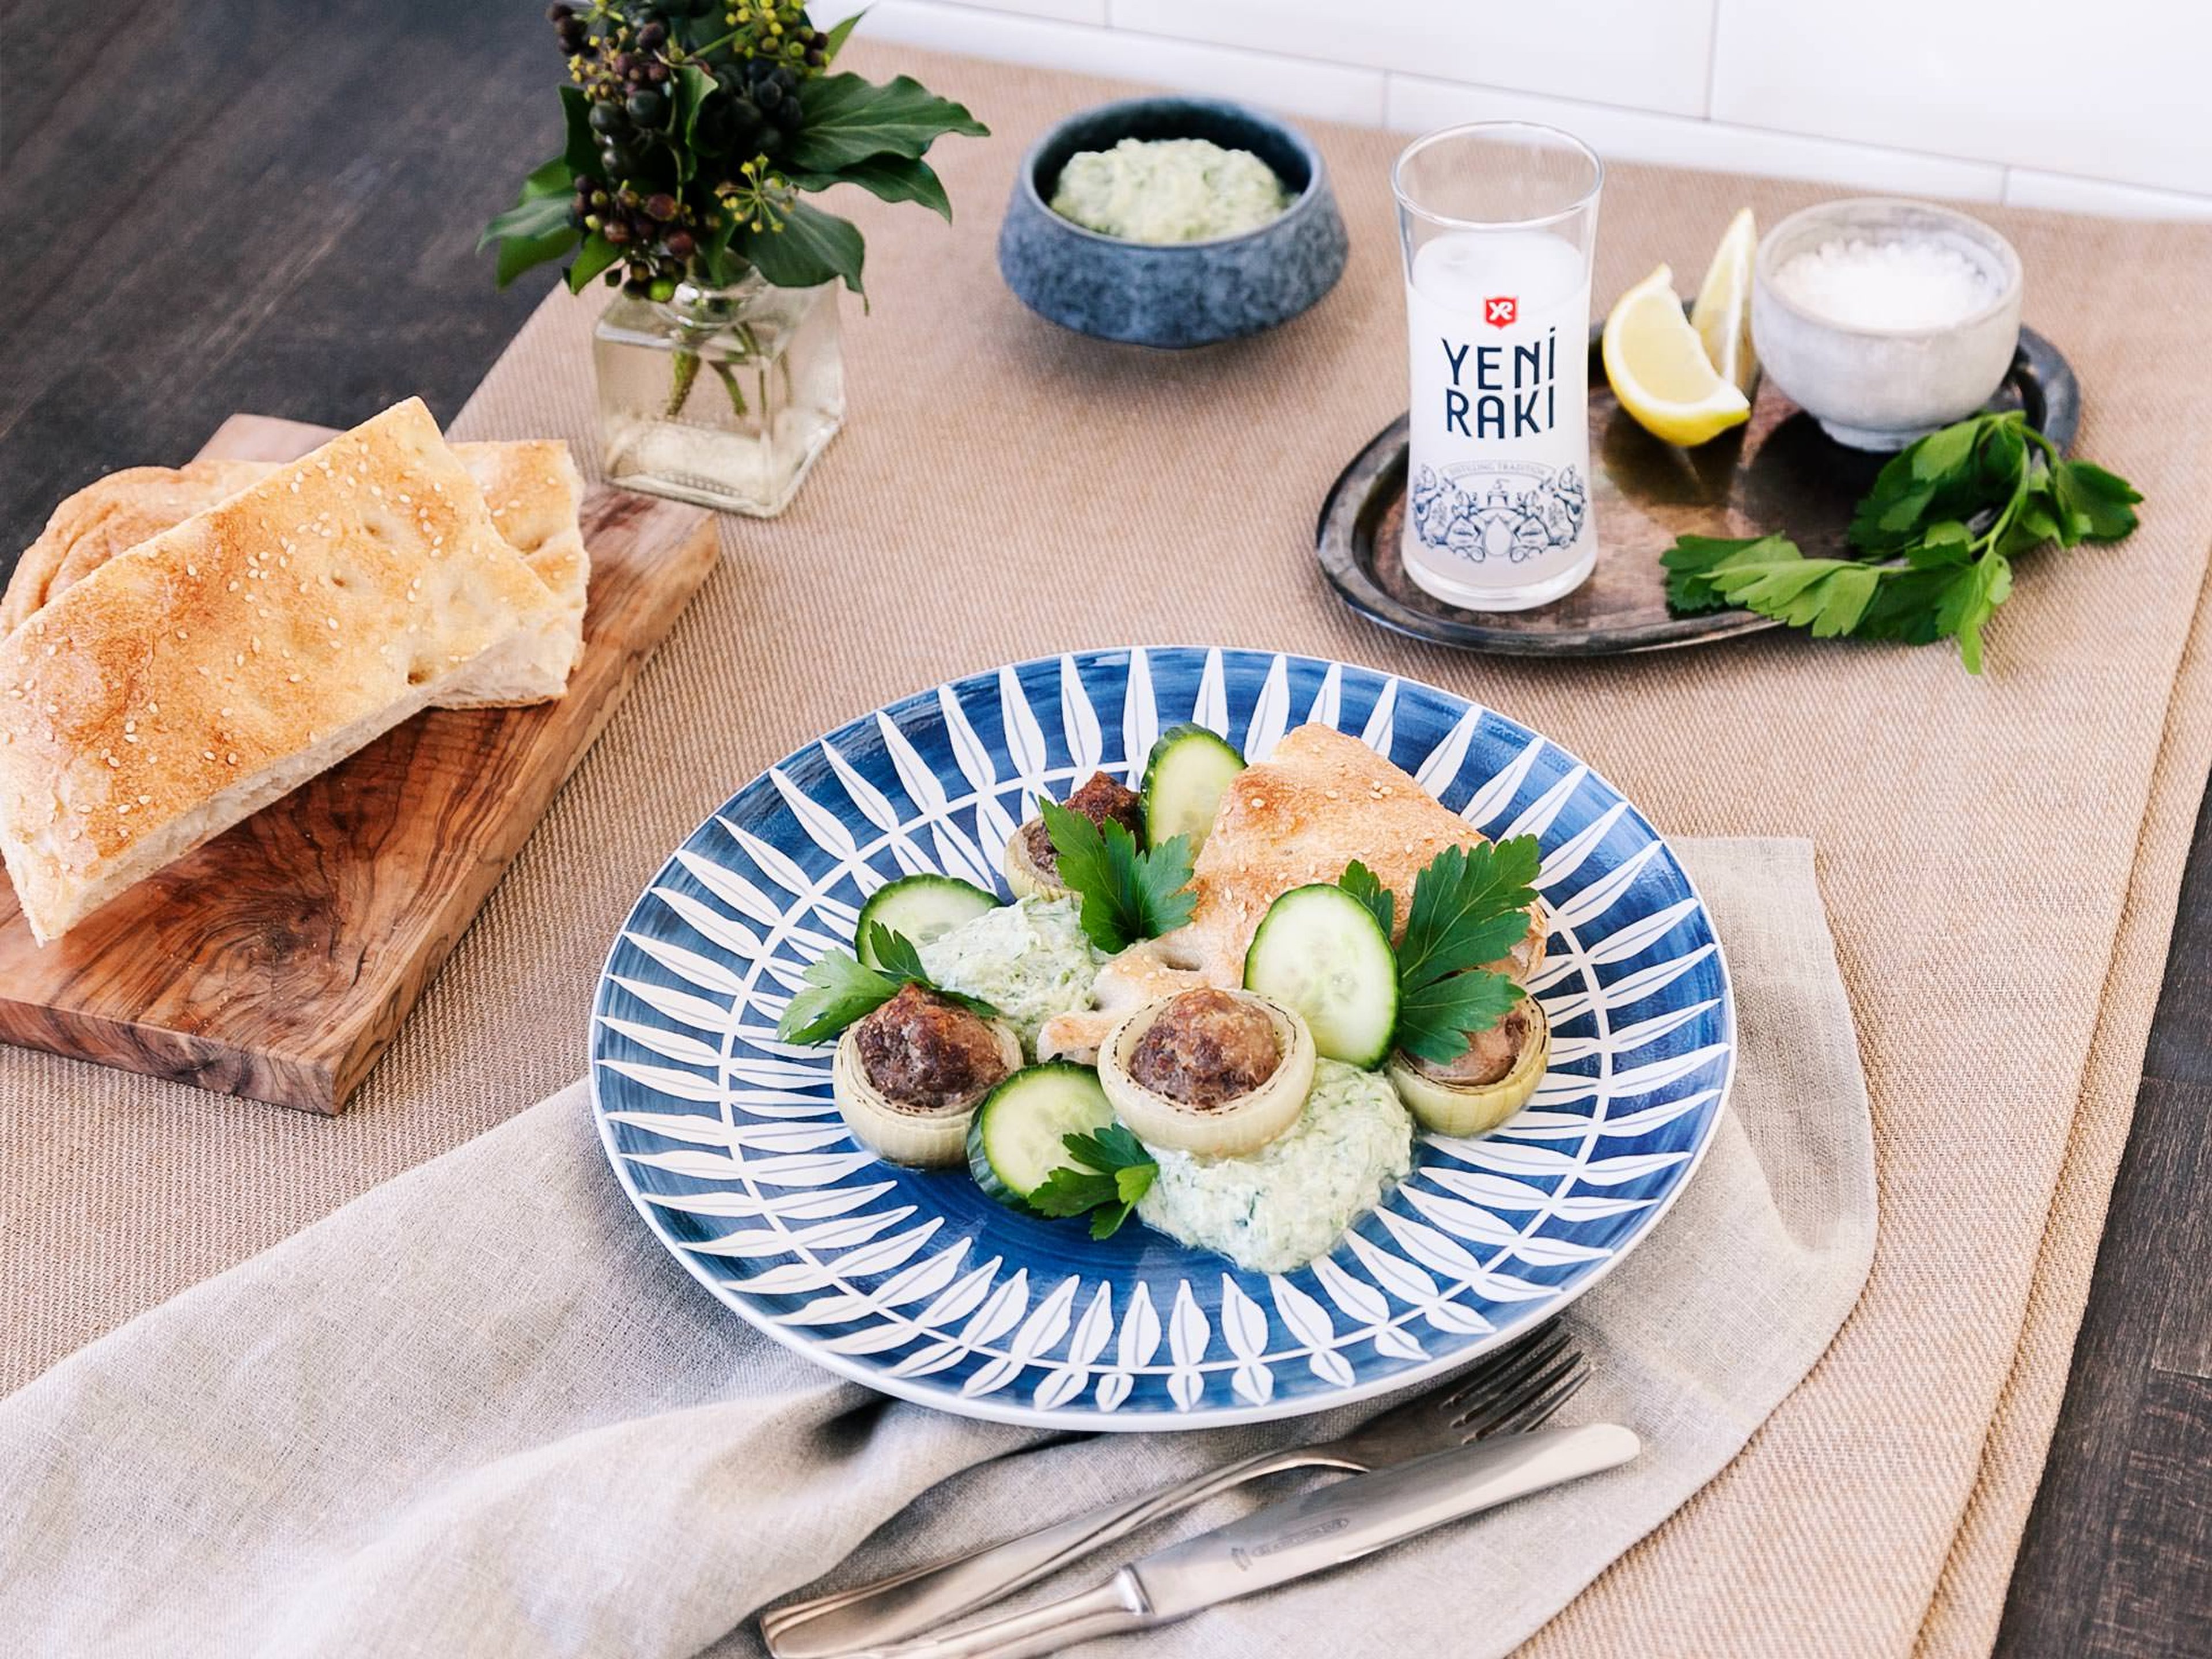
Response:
column 840, row 988
column 669, row 166
column 1936, row 537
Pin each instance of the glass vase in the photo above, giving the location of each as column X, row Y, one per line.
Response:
column 720, row 396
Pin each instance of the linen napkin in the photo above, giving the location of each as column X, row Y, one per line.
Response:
column 480, row 1410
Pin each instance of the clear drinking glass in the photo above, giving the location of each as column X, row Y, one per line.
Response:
column 1497, row 222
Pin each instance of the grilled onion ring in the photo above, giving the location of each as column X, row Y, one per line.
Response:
column 1232, row 1129
column 1022, row 873
column 1475, row 1109
column 920, row 1139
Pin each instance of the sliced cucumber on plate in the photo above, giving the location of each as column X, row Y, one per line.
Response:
column 1189, row 769
column 920, row 907
column 1319, row 952
column 1017, row 1137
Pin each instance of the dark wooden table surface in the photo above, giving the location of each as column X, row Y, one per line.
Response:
column 210, row 207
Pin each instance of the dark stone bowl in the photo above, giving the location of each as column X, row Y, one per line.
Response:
column 1181, row 294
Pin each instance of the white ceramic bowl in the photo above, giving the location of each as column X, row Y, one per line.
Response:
column 1879, row 388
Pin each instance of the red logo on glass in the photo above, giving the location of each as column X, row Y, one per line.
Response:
column 1501, row 311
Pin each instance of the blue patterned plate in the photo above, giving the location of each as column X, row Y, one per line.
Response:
column 915, row 1283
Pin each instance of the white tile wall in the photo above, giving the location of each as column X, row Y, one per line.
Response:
column 2090, row 108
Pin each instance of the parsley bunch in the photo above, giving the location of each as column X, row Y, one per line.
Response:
column 1470, row 907
column 1936, row 536
column 1112, row 1171
column 1127, row 894
column 840, row 988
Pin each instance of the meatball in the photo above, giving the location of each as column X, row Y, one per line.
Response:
column 1102, row 801
column 1490, row 1054
column 927, row 1054
column 1206, row 1048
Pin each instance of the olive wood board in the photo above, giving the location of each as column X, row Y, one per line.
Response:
column 278, row 961
column 1779, row 472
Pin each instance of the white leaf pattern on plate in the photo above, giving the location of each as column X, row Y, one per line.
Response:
column 728, row 1140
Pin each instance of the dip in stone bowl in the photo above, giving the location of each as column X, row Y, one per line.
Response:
column 1883, row 320
column 1175, row 294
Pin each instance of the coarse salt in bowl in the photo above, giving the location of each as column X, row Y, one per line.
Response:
column 1884, row 318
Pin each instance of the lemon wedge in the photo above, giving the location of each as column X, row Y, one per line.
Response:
column 1659, row 369
column 1722, row 312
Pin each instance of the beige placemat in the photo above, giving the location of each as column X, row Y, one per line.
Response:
column 481, row 1411
column 1004, row 488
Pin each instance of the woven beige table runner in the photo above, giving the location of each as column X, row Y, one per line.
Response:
column 2000, row 856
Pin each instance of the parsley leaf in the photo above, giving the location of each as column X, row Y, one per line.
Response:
column 902, row 965
column 1470, row 907
column 1127, row 894
column 1364, row 884
column 1938, row 531
column 840, row 988
column 1112, row 1171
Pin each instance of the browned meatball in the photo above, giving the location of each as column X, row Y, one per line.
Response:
column 1206, row 1048
column 1102, row 801
column 1490, row 1054
column 927, row 1054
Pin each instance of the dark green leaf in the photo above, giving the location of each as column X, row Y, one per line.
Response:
column 1947, row 542
column 2107, row 500
column 847, row 120
column 1470, row 907
column 1968, row 603
column 2001, row 454
column 552, row 177
column 1932, row 458
column 518, row 253
column 1435, row 1020
column 812, row 248
column 893, row 177
column 838, row 33
column 1690, row 563
column 839, row 990
column 581, row 145
column 1364, row 884
column 1903, row 605
column 1127, row 894
column 900, row 962
column 694, row 87
column 533, row 215
column 1110, row 1171
column 594, row 257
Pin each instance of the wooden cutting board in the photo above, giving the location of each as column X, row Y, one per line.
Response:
column 278, row 961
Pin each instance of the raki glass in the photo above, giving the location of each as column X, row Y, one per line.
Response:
column 1497, row 222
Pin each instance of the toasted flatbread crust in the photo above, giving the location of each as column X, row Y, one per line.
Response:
column 193, row 679
column 1321, row 800
column 532, row 488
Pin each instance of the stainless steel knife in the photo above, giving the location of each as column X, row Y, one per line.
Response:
column 1323, row 1528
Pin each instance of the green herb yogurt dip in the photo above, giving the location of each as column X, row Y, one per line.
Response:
column 1169, row 190
column 1030, row 960
column 1291, row 1201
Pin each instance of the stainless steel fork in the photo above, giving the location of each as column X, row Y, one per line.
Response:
column 1518, row 1387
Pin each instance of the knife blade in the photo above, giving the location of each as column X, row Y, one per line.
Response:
column 1309, row 1533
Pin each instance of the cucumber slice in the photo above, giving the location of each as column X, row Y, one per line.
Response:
column 1014, row 1140
column 1321, row 952
column 920, row 907
column 1184, row 779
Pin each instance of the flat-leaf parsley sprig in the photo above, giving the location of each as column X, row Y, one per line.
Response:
column 840, row 988
column 1127, row 894
column 1470, row 909
column 1111, row 1172
column 1936, row 536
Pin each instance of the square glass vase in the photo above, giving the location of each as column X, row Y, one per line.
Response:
column 719, row 395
